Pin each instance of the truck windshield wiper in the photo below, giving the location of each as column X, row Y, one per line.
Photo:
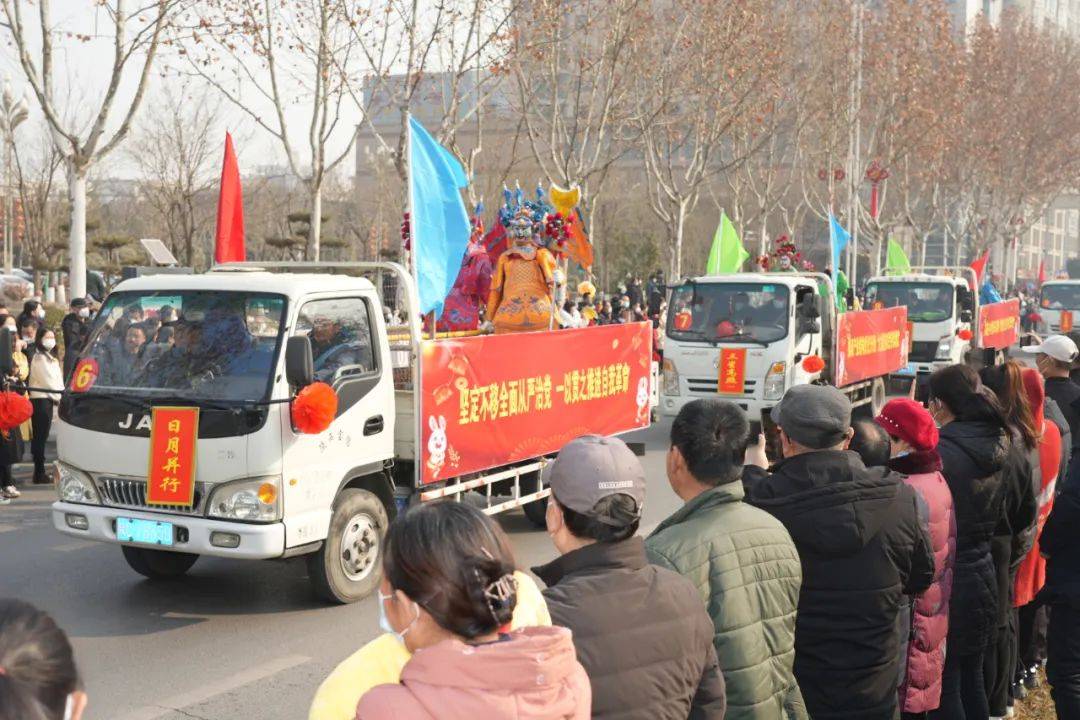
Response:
column 129, row 400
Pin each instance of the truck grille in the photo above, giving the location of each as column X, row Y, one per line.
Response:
column 923, row 351
column 708, row 386
column 131, row 493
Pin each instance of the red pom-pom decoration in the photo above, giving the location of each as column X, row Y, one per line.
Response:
column 813, row 364
column 14, row 411
column 964, row 335
column 314, row 408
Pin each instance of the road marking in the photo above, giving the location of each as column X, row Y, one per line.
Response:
column 211, row 690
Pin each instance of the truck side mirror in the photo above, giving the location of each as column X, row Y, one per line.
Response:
column 965, row 316
column 808, row 325
column 7, row 345
column 808, row 307
column 299, row 367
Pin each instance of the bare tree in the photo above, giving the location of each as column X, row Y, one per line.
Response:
column 176, row 149
column 281, row 55
column 137, row 34
column 35, row 177
column 712, row 71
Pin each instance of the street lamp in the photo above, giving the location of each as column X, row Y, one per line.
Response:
column 13, row 111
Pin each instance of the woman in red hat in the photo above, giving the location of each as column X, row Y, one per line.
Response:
column 914, row 438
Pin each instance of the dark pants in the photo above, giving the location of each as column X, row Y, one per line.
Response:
column 1063, row 659
column 41, row 422
column 963, row 691
column 999, row 666
column 1031, row 636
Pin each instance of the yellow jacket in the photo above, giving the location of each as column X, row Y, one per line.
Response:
column 380, row 661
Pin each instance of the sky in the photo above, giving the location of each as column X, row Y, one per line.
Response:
column 82, row 69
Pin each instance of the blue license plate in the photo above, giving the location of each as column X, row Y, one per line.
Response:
column 147, row 532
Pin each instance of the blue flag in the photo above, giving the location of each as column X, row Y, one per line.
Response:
column 438, row 221
column 838, row 240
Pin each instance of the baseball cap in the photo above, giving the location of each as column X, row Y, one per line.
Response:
column 591, row 468
column 816, row 416
column 1058, row 347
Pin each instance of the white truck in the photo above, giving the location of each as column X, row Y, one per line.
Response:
column 1058, row 298
column 244, row 341
column 783, row 322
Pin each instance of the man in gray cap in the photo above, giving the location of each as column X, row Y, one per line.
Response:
column 619, row 606
column 863, row 548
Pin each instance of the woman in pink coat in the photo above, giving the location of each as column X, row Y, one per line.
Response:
column 914, row 437
column 448, row 592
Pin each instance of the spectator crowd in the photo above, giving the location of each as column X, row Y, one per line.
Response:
column 919, row 563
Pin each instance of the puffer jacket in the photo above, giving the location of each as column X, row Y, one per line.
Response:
column 746, row 570
column 862, row 549
column 973, row 456
column 618, row 606
column 924, row 658
column 531, row 674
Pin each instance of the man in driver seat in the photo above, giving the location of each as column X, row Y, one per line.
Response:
column 333, row 347
column 772, row 311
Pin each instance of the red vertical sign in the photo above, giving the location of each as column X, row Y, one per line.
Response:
column 732, row 378
column 1066, row 321
column 171, row 476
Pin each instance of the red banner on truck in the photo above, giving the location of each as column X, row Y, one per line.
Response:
column 871, row 343
column 999, row 324
column 497, row 399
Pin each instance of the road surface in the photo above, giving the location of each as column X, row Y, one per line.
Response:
column 232, row 640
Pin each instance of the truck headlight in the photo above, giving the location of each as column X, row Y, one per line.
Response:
column 75, row 486
column 251, row 500
column 944, row 349
column 774, row 381
column 671, row 378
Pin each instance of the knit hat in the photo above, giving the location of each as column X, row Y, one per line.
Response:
column 910, row 421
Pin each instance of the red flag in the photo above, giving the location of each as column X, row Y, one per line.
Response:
column 1042, row 272
column 979, row 266
column 229, row 237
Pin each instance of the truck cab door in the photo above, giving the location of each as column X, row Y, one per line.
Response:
column 350, row 353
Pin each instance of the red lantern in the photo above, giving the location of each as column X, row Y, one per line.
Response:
column 314, row 408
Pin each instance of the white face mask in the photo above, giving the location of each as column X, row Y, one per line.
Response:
column 48, row 343
column 69, row 707
column 40, row 313
column 84, row 312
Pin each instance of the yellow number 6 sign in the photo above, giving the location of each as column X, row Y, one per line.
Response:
column 85, row 375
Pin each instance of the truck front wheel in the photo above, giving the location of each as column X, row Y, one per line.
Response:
column 158, row 564
column 348, row 567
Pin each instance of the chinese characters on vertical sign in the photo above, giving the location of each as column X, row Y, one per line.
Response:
column 171, row 479
column 732, row 371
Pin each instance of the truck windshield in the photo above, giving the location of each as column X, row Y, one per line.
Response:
column 925, row 301
column 193, row 344
column 1060, row 297
column 728, row 312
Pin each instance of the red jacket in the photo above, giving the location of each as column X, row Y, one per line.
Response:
column 1031, row 576
column 920, row 690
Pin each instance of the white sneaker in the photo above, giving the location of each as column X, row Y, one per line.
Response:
column 10, row 492
column 4, row 500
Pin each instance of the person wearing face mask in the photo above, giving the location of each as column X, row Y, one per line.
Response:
column 448, row 593
column 38, row 677
column 973, row 443
column 32, row 311
column 45, row 374
column 75, row 328
column 911, row 440
column 11, row 446
column 1054, row 359
column 381, row 660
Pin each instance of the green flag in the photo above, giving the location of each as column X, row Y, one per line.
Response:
column 896, row 261
column 842, row 286
column 727, row 254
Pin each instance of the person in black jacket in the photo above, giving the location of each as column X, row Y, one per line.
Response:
column 1016, row 528
column 973, row 445
column 1062, row 594
column 76, row 328
column 862, row 547
column 1055, row 358
column 641, row 631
